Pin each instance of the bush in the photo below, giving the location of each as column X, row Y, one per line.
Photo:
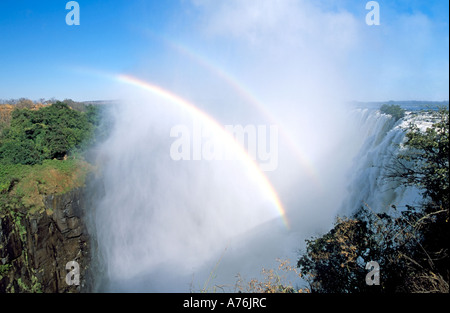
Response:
column 19, row 152
column 394, row 110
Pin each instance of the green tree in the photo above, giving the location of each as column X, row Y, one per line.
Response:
column 394, row 110
column 425, row 164
column 48, row 133
column 19, row 152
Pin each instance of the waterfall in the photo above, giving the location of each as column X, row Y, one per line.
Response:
column 380, row 141
column 160, row 220
column 164, row 226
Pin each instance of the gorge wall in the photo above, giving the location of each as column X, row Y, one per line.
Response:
column 36, row 246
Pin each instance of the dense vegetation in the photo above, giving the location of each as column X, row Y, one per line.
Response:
column 394, row 110
column 41, row 150
column 410, row 245
column 48, row 133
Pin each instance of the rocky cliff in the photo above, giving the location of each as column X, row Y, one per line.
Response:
column 36, row 247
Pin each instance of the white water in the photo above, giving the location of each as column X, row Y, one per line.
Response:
column 162, row 226
column 161, row 220
column 368, row 185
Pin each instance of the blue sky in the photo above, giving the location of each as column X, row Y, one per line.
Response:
column 406, row 57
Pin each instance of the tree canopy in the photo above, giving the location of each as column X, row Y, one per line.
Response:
column 394, row 110
column 50, row 132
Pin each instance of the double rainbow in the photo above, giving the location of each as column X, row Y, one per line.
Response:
column 251, row 166
column 249, row 97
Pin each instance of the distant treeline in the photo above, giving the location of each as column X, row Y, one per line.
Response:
column 411, row 105
column 25, row 103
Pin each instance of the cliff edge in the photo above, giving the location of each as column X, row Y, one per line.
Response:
column 36, row 247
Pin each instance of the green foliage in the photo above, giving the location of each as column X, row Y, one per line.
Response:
column 51, row 132
column 19, row 152
column 9, row 174
column 394, row 110
column 93, row 115
column 39, row 152
column 24, row 185
column 425, row 163
column 4, row 269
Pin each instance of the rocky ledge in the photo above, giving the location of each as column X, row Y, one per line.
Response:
column 46, row 251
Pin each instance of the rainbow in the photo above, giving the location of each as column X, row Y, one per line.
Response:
column 236, row 85
column 251, row 165
column 248, row 96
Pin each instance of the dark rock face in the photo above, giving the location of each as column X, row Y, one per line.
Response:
column 35, row 248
